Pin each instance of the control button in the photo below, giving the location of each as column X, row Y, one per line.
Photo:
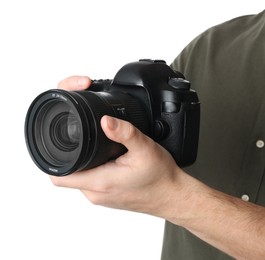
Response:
column 153, row 61
column 147, row 60
column 161, row 130
column 179, row 83
column 159, row 61
column 170, row 107
column 245, row 197
column 260, row 144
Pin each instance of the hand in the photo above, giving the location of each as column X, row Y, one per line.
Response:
column 138, row 180
column 146, row 179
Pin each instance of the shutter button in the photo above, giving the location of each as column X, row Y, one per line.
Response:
column 260, row 144
column 245, row 197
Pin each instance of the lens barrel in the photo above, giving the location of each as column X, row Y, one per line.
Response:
column 63, row 132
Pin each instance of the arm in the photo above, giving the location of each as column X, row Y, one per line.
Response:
column 146, row 179
column 227, row 223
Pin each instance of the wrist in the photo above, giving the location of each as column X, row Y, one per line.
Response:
column 185, row 200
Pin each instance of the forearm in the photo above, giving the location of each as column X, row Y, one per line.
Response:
column 230, row 224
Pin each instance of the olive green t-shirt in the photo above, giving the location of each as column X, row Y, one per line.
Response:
column 226, row 66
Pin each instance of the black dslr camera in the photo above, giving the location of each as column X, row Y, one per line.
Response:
column 63, row 132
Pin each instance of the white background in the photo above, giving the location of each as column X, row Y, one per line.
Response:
column 42, row 42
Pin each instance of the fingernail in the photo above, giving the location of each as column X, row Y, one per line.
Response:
column 82, row 82
column 112, row 123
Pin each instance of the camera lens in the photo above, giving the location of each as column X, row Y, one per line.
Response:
column 63, row 131
column 57, row 132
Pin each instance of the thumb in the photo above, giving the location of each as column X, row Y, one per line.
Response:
column 123, row 132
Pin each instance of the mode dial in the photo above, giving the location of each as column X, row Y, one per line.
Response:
column 179, row 83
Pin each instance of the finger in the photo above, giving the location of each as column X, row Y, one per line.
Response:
column 96, row 198
column 125, row 133
column 75, row 83
column 103, row 199
column 90, row 180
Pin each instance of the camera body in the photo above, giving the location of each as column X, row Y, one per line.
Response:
column 172, row 108
column 63, row 132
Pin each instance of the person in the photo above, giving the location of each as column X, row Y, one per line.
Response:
column 214, row 209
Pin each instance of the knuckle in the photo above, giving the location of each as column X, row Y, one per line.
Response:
column 151, row 150
column 131, row 131
column 68, row 83
column 95, row 200
column 94, row 197
column 55, row 181
column 63, row 83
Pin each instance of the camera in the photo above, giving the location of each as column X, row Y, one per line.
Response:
column 63, row 132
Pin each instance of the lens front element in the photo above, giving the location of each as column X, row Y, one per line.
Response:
column 65, row 131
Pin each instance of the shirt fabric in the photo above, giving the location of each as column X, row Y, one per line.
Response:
column 226, row 66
